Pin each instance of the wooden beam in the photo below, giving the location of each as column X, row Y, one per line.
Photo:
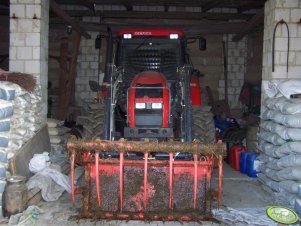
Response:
column 140, row 2
column 250, row 25
column 69, row 20
column 205, row 28
column 250, row 5
column 127, row 5
column 162, row 15
column 211, row 4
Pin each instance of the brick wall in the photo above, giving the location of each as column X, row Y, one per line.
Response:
column 28, row 52
column 290, row 11
column 236, row 68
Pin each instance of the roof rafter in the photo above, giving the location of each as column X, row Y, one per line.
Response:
column 251, row 24
column 69, row 20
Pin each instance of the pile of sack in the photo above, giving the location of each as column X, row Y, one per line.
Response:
column 280, row 146
column 58, row 135
column 20, row 116
column 20, row 119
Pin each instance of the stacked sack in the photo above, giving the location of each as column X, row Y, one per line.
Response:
column 21, row 116
column 58, row 135
column 280, row 147
column 19, row 120
column 91, row 119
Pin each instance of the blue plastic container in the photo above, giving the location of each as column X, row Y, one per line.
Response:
column 250, row 164
column 243, row 161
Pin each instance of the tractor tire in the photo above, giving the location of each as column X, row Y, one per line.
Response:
column 92, row 121
column 203, row 128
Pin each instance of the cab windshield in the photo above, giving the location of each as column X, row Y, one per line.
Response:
column 150, row 53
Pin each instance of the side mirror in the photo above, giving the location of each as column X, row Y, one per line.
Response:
column 98, row 42
column 202, row 43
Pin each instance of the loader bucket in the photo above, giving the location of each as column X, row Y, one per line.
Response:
column 146, row 189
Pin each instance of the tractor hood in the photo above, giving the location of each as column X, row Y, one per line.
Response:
column 148, row 78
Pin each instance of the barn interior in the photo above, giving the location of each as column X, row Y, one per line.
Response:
column 139, row 112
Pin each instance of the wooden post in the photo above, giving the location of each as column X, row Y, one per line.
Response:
column 70, row 81
column 63, row 60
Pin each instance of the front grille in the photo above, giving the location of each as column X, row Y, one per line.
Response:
column 148, row 119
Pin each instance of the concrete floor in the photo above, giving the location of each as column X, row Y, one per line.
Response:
column 239, row 191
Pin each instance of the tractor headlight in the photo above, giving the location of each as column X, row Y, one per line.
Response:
column 173, row 36
column 140, row 105
column 156, row 105
column 127, row 36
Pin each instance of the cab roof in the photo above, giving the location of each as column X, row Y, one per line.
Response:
column 150, row 32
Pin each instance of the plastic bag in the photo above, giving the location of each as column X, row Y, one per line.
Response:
column 51, row 182
column 39, row 162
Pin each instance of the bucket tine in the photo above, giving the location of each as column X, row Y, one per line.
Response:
column 72, row 160
column 121, row 157
column 97, row 177
column 195, row 182
column 145, row 178
column 220, row 177
column 170, row 179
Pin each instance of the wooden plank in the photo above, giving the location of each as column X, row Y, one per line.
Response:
column 68, row 20
column 250, row 25
column 63, row 78
column 37, row 144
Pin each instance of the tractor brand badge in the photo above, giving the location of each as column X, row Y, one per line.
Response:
column 282, row 214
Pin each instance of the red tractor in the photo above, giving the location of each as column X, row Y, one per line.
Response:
column 151, row 89
column 146, row 166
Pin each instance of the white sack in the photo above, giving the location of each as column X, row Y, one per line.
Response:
column 286, row 120
column 54, row 123
column 289, row 87
column 271, row 137
column 6, row 93
column 285, row 106
column 289, row 161
column 6, row 109
column 290, row 173
column 284, row 132
column 4, row 125
column 285, row 88
column 12, row 86
column 270, row 88
column 54, row 131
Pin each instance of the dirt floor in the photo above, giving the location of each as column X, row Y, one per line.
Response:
column 239, row 191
